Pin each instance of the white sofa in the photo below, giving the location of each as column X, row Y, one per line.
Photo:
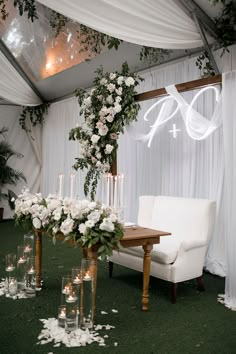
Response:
column 178, row 257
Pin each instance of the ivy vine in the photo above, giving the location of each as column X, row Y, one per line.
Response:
column 36, row 115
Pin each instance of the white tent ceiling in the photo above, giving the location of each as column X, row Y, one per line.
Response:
column 76, row 75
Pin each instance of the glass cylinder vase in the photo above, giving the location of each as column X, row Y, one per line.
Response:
column 12, row 286
column 87, row 293
column 71, row 317
column 30, row 287
column 21, row 267
column 29, row 245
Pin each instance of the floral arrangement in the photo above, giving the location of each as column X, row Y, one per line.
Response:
column 84, row 222
column 107, row 109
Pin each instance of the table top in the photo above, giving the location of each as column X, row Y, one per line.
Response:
column 138, row 232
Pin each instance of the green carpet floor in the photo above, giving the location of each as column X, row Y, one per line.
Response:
column 196, row 324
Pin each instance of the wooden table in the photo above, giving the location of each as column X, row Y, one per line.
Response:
column 134, row 236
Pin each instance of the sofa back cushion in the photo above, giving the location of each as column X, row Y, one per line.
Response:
column 185, row 218
column 146, row 205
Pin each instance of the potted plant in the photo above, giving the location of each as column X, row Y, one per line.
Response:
column 8, row 175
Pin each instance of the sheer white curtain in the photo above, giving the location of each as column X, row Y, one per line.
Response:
column 13, row 87
column 229, row 128
column 58, row 152
column 181, row 166
column 29, row 165
column 153, row 23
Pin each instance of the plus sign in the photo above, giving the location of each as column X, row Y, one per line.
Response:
column 174, row 131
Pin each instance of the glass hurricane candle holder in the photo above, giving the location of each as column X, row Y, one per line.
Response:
column 21, row 267
column 73, row 295
column 29, row 245
column 61, row 316
column 71, row 317
column 30, row 287
column 10, row 262
column 12, row 286
column 76, row 275
column 87, row 293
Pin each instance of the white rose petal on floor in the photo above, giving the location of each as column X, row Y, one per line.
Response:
column 3, row 291
column 78, row 338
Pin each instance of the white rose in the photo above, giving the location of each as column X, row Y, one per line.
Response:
column 109, row 99
column 118, row 99
column 94, row 215
column 67, row 226
column 111, row 87
column 120, row 80
column 108, row 149
column 98, row 155
column 82, row 228
column 107, row 225
column 98, row 164
column 95, row 138
column 110, row 118
column 87, row 101
column 119, row 91
column 37, row 223
column 99, row 125
column 103, row 81
column 129, row 81
column 113, row 217
column 103, row 111
column 90, row 223
column 103, row 130
column 112, row 76
column 117, row 107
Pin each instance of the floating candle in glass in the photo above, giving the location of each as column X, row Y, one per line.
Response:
column 72, row 297
column 21, row 260
column 31, row 271
column 87, row 277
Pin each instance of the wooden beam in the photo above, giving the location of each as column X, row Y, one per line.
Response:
column 183, row 87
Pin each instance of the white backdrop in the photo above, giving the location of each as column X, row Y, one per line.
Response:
column 180, row 167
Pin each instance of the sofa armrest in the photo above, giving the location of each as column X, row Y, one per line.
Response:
column 190, row 244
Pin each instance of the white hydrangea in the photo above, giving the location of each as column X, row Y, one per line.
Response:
column 90, row 223
column 82, row 228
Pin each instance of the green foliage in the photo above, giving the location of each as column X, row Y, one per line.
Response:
column 3, row 10
column 36, row 115
column 92, row 41
column 57, row 22
column 107, row 110
column 8, row 175
column 27, row 6
column 154, row 55
column 204, row 64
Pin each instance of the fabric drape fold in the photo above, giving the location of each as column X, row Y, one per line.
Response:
column 229, row 130
column 13, row 87
column 153, row 23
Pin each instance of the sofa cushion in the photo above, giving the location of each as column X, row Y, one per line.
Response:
column 166, row 252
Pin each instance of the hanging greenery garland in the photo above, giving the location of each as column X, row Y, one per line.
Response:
column 107, row 109
column 36, row 115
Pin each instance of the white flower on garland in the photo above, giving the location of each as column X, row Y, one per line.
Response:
column 108, row 149
column 67, row 226
column 107, row 109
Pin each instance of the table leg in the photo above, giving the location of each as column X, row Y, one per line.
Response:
column 92, row 253
column 146, row 275
column 38, row 257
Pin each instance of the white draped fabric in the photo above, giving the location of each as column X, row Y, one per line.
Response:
column 58, row 152
column 13, row 87
column 153, row 23
column 29, row 165
column 229, row 119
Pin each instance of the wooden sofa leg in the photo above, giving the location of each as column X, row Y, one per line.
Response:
column 110, row 265
column 173, row 292
column 200, row 283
